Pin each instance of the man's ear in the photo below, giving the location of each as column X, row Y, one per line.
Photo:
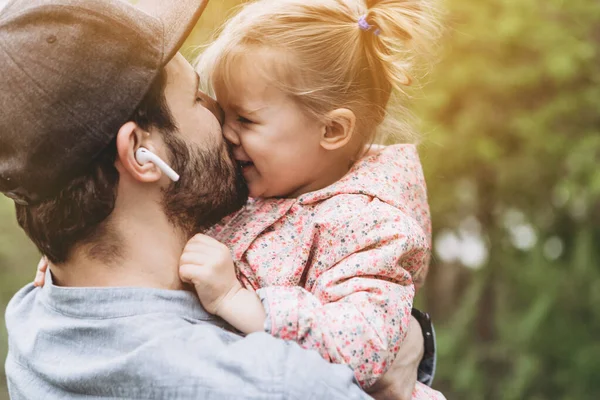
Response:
column 129, row 139
column 339, row 129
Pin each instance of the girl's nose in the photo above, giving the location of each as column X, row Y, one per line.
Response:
column 231, row 135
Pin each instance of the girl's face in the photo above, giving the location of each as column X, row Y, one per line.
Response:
column 275, row 141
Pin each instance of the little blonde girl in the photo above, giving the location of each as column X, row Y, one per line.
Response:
column 331, row 247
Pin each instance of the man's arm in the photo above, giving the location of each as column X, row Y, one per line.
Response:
column 304, row 374
column 258, row 366
column 399, row 381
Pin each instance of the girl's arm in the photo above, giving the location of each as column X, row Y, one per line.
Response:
column 244, row 311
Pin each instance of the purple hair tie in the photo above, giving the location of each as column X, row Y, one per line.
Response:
column 365, row 26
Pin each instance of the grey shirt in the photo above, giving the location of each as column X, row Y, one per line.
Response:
column 135, row 343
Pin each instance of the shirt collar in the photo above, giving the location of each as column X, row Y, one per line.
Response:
column 117, row 302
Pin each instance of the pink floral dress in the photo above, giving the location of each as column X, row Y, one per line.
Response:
column 336, row 269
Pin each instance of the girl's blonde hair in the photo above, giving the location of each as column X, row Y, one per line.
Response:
column 329, row 54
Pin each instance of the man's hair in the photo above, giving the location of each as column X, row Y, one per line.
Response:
column 78, row 214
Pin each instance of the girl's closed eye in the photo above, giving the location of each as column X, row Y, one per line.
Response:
column 244, row 120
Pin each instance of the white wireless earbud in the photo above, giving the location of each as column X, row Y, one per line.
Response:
column 143, row 156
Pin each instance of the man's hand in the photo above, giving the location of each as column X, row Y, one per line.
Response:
column 399, row 381
column 207, row 264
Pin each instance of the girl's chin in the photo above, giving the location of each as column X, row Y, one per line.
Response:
column 254, row 190
column 257, row 191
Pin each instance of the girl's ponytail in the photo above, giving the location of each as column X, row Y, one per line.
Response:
column 399, row 38
column 401, row 35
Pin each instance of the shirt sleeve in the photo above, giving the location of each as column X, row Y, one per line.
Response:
column 355, row 305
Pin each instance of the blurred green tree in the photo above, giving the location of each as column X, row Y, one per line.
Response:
column 511, row 152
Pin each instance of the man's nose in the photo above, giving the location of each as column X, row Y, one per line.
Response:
column 214, row 107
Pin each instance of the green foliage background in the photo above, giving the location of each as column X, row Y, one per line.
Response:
column 511, row 145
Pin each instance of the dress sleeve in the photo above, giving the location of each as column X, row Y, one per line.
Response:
column 355, row 305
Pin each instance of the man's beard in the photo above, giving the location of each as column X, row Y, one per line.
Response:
column 211, row 185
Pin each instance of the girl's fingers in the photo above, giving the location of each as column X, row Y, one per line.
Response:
column 40, row 276
column 195, row 258
column 42, row 265
column 40, row 279
column 190, row 274
column 205, row 241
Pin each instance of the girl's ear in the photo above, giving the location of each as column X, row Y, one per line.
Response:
column 339, row 129
column 129, row 139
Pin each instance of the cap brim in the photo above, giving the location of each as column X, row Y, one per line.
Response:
column 178, row 18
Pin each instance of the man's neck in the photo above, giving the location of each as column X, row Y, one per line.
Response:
column 150, row 248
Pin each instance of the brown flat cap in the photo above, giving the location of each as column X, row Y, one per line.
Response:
column 71, row 74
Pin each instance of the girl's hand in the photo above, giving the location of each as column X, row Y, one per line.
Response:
column 207, row 264
column 40, row 276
